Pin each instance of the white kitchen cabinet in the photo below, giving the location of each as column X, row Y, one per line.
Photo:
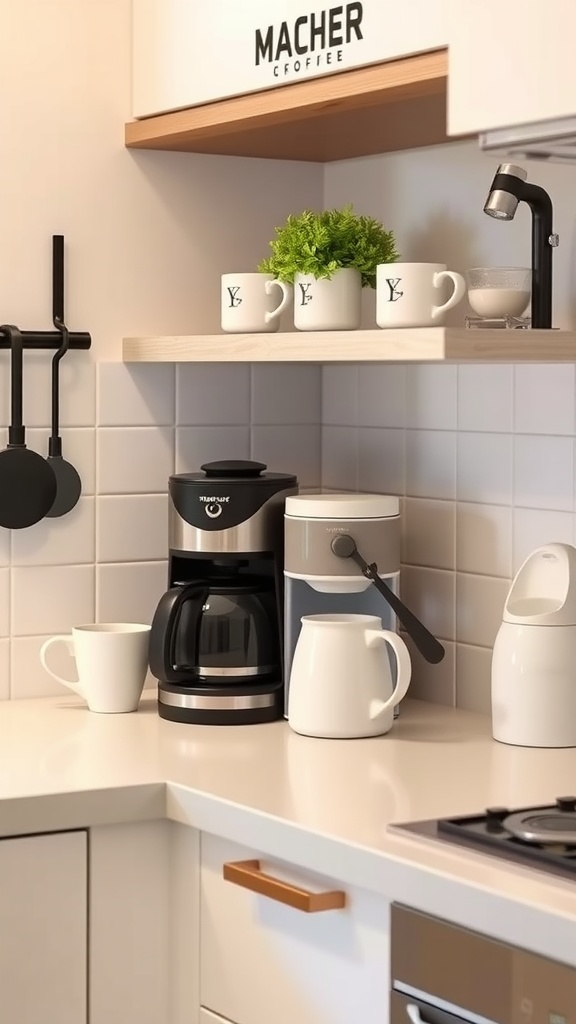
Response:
column 263, row 961
column 43, row 929
column 187, row 53
column 144, row 924
column 511, row 62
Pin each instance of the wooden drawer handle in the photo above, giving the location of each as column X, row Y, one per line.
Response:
column 247, row 874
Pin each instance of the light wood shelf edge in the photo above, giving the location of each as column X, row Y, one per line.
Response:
column 422, row 344
column 421, row 75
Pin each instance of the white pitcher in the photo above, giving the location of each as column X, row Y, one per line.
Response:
column 340, row 683
column 534, row 656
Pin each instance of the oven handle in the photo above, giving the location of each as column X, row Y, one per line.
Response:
column 422, row 1012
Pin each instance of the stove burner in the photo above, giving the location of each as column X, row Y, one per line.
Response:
column 541, row 837
column 551, row 827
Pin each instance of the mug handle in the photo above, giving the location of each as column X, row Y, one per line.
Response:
column 458, row 293
column 403, row 663
column 72, row 685
column 286, row 296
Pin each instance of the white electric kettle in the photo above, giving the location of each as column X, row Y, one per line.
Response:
column 534, row 656
column 340, row 683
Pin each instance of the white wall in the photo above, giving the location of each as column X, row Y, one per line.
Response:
column 147, row 236
column 483, row 455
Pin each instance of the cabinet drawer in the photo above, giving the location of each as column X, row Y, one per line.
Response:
column 207, row 1017
column 263, row 960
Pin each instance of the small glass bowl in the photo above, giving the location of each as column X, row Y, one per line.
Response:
column 499, row 292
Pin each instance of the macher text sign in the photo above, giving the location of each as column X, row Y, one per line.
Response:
column 188, row 52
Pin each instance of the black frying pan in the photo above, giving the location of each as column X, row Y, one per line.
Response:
column 27, row 483
column 68, row 483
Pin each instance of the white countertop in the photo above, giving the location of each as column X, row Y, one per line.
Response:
column 322, row 804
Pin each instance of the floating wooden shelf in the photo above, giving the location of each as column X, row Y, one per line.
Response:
column 396, row 105
column 422, row 344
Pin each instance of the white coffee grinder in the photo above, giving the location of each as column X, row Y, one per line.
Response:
column 342, row 555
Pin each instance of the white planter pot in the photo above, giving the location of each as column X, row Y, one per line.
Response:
column 328, row 304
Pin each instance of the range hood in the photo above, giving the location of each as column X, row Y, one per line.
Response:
column 541, row 140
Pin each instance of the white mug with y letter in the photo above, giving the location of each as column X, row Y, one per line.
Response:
column 248, row 303
column 407, row 294
column 111, row 660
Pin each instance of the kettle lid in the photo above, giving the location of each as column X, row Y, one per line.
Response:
column 342, row 506
column 543, row 592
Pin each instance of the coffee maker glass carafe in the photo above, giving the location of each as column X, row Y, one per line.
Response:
column 218, row 631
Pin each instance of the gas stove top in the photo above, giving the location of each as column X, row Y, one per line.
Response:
column 540, row 837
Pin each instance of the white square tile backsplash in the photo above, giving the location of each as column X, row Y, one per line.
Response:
column 69, row 540
column 484, row 539
column 135, row 396
column 485, row 468
column 431, row 397
column 286, row 393
column 208, row 393
column 135, row 460
column 544, row 472
column 287, row 449
column 381, row 460
column 381, row 395
column 132, row 528
column 129, row 592
column 431, row 464
column 485, row 395
column 50, row 599
column 340, row 395
column 429, row 533
column 544, row 398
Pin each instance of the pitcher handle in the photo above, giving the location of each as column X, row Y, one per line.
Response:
column 403, row 663
column 67, row 639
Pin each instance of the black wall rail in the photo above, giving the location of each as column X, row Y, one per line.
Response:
column 77, row 340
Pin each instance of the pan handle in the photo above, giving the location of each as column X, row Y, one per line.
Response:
column 16, row 428
column 55, row 441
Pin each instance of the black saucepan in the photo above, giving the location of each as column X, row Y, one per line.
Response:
column 27, row 483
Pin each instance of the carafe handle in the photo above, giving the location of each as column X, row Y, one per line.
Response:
column 403, row 666
column 163, row 631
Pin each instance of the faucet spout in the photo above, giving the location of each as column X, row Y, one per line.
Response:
column 509, row 188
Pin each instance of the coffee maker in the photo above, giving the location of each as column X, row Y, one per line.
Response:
column 317, row 580
column 216, row 640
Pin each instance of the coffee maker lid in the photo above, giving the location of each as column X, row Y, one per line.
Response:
column 342, row 506
column 234, row 472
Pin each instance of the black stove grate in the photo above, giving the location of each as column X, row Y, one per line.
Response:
column 477, row 832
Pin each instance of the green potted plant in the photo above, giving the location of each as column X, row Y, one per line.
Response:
column 329, row 257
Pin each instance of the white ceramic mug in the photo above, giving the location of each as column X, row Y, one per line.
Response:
column 328, row 304
column 111, row 660
column 406, row 294
column 340, row 682
column 247, row 303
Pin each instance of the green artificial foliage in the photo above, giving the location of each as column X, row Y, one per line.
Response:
column 322, row 243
